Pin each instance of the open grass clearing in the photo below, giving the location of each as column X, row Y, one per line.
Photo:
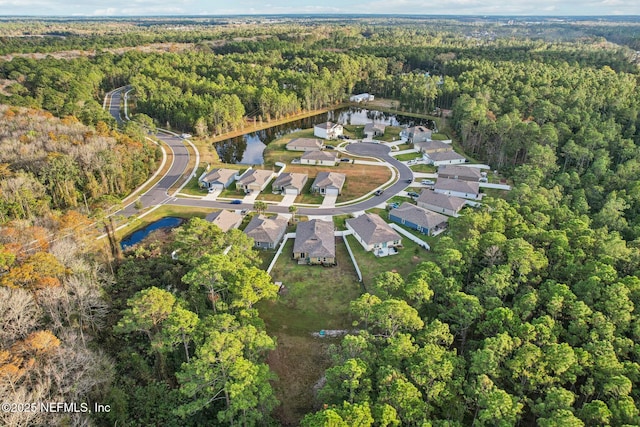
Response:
column 315, row 298
column 423, row 168
column 407, row 156
column 361, row 179
column 403, row 263
column 391, row 133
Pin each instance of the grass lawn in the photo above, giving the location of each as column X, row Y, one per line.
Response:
column 361, row 179
column 193, row 187
column 403, row 263
column 391, row 133
column 407, row 156
column 266, row 256
column 423, row 168
column 440, row 136
column 276, row 151
column 315, row 298
column 354, row 131
column 404, row 147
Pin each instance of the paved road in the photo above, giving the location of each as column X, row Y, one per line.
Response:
column 158, row 194
column 363, row 149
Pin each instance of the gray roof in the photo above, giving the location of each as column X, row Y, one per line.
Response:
column 419, row 216
column 289, row 179
column 305, row 143
column 226, row 220
column 445, row 155
column 327, row 125
column 320, row 155
column 263, row 229
column 327, row 179
column 372, row 229
column 259, row 176
column 457, row 185
column 433, row 145
column 460, row 171
column 370, row 127
column 315, row 238
column 219, row 175
column 441, row 200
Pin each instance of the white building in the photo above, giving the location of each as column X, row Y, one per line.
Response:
column 328, row 130
column 362, row 97
column 458, row 188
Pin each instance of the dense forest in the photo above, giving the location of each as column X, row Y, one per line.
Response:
column 527, row 312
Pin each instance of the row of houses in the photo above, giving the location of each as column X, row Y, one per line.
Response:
column 325, row 183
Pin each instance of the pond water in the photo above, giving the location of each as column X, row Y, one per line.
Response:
column 138, row 235
column 248, row 148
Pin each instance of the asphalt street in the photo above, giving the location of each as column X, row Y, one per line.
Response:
column 158, row 194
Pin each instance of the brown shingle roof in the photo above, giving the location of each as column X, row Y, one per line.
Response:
column 372, row 229
column 433, row 145
column 263, row 229
column 259, row 176
column 288, row 179
column 219, row 175
column 326, row 179
column 311, row 143
column 316, row 239
column 224, row 219
column 320, row 155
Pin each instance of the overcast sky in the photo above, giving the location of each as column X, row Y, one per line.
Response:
column 248, row 7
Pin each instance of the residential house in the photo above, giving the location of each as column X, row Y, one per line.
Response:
column 374, row 129
column 362, row 97
column 328, row 130
column 419, row 219
column 254, row 180
column 458, row 188
column 374, row 234
column 319, row 158
column 464, row 173
column 290, row 183
column 444, row 158
column 225, row 220
column 441, row 203
column 266, row 232
column 315, row 242
column 218, row 179
column 432, row 146
column 328, row 183
column 416, row 134
column 305, row 144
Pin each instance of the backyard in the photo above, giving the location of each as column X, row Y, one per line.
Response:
column 314, row 298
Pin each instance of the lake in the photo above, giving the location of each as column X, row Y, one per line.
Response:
column 249, row 148
column 138, row 235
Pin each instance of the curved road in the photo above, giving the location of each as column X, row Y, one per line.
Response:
column 159, row 193
column 361, row 149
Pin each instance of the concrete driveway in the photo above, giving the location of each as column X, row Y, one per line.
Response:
column 288, row 200
column 329, row 201
column 251, row 197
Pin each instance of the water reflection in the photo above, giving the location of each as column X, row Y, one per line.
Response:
column 249, row 148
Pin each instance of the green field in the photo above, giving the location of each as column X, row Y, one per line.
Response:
column 314, row 298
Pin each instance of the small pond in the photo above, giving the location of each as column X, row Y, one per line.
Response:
column 138, row 235
column 248, row 148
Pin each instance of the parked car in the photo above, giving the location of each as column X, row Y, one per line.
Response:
column 236, row 202
column 329, row 147
column 378, row 192
column 427, row 182
column 394, row 205
column 412, row 194
column 345, row 160
column 408, row 181
column 185, row 135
